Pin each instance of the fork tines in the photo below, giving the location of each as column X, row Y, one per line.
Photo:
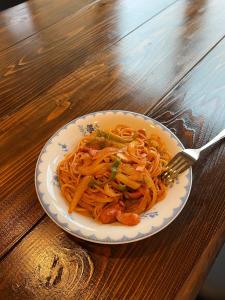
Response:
column 178, row 164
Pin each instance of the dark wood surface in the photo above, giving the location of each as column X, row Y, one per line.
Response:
column 164, row 59
column 30, row 17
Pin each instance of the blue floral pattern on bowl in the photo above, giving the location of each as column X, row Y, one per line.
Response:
column 150, row 214
column 50, row 197
column 55, row 180
column 64, row 147
column 89, row 128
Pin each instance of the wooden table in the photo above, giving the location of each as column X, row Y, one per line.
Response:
column 62, row 59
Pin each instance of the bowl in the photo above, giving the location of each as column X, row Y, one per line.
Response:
column 52, row 201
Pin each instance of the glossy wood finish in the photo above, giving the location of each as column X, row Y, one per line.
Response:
column 59, row 102
column 30, row 17
column 164, row 59
column 66, row 47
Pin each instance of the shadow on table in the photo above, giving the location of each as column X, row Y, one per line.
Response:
column 147, row 247
column 4, row 4
column 213, row 288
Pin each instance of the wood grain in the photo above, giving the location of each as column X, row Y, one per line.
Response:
column 195, row 111
column 124, row 77
column 30, row 17
column 108, row 80
column 49, row 259
column 37, row 63
column 64, row 98
column 121, row 55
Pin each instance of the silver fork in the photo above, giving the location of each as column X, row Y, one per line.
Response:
column 185, row 159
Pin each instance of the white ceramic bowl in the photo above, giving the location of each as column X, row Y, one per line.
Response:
column 47, row 186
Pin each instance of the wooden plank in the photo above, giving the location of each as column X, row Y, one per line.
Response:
column 15, row 174
column 123, row 77
column 195, row 110
column 54, row 264
column 64, row 50
column 37, row 63
column 117, row 77
column 30, row 17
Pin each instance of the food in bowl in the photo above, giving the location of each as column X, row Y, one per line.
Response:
column 113, row 175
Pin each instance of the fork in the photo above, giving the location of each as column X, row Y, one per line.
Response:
column 185, row 159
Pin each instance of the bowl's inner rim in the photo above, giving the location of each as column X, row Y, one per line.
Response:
column 74, row 122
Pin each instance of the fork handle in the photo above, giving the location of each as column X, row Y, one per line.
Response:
column 216, row 139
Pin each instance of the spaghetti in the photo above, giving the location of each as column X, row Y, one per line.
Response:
column 114, row 175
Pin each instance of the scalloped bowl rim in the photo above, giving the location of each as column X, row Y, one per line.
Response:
column 108, row 240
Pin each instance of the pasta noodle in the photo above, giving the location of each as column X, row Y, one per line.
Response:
column 114, row 175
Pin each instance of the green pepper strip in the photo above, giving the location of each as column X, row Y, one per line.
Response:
column 113, row 137
column 114, row 168
column 121, row 187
